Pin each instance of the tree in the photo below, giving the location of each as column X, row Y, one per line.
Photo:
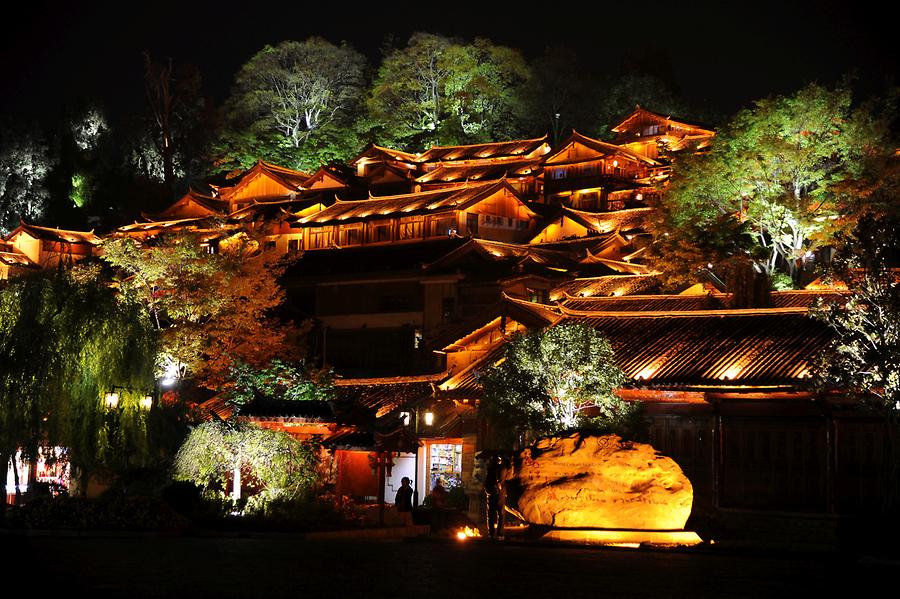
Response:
column 438, row 90
column 288, row 95
column 67, row 340
column 556, row 379
column 485, row 90
column 273, row 461
column 781, row 169
column 408, row 92
column 617, row 97
column 862, row 357
column 25, row 162
column 176, row 105
column 279, row 381
column 561, row 95
column 213, row 311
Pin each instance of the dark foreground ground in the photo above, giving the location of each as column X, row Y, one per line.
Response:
column 292, row 567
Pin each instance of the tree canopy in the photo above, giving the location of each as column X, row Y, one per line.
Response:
column 272, row 461
column 555, row 379
column 777, row 175
column 290, row 98
column 67, row 340
column 439, row 90
column 213, row 311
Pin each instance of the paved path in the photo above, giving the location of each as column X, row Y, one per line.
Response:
column 290, row 567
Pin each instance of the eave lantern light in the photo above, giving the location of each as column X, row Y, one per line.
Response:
column 429, row 418
column 146, row 402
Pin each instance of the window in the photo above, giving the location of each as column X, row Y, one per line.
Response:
column 443, row 226
column 472, row 223
column 411, row 227
column 379, row 231
column 293, row 246
column 320, row 238
column 351, row 235
column 447, row 308
column 269, row 245
column 558, row 173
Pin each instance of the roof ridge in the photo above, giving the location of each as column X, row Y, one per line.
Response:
column 681, row 313
column 487, row 143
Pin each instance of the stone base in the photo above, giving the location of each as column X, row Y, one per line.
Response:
column 625, row 538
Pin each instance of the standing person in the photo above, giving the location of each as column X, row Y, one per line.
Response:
column 438, row 503
column 495, row 496
column 403, row 499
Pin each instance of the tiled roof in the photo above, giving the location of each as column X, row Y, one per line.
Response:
column 719, row 348
column 57, row 235
column 441, row 200
column 603, row 148
column 604, row 222
column 604, row 286
column 518, row 147
column 639, row 110
column 389, row 153
column 681, row 303
column 16, row 259
column 161, row 225
column 448, row 172
column 383, row 396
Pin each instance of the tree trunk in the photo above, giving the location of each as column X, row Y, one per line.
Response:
column 15, row 469
column 236, row 483
column 4, row 459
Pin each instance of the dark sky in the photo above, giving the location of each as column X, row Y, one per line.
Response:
column 721, row 55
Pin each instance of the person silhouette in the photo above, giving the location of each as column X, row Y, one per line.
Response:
column 403, row 499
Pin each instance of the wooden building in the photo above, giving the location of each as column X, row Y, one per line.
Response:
column 589, row 174
column 47, row 247
column 656, row 135
column 487, row 211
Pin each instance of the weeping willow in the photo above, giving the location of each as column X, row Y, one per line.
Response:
column 66, row 339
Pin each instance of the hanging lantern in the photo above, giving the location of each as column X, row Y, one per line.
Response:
column 111, row 399
column 146, row 402
column 429, row 418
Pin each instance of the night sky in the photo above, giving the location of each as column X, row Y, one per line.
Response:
column 720, row 56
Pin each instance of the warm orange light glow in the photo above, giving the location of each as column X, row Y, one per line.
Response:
column 647, row 372
column 466, row 533
column 733, row 372
column 626, row 538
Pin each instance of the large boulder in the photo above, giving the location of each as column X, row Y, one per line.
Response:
column 584, row 481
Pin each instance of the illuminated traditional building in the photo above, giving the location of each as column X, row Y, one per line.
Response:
column 589, row 174
column 46, row 247
column 489, row 211
column 646, row 133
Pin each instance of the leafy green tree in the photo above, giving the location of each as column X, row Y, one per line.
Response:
column 280, row 466
column 781, row 169
column 439, row 90
column 25, row 163
column 289, row 96
column 407, row 96
column 68, row 339
column 556, row 379
column 279, row 380
column 485, row 90
column 213, row 311
column 863, row 355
